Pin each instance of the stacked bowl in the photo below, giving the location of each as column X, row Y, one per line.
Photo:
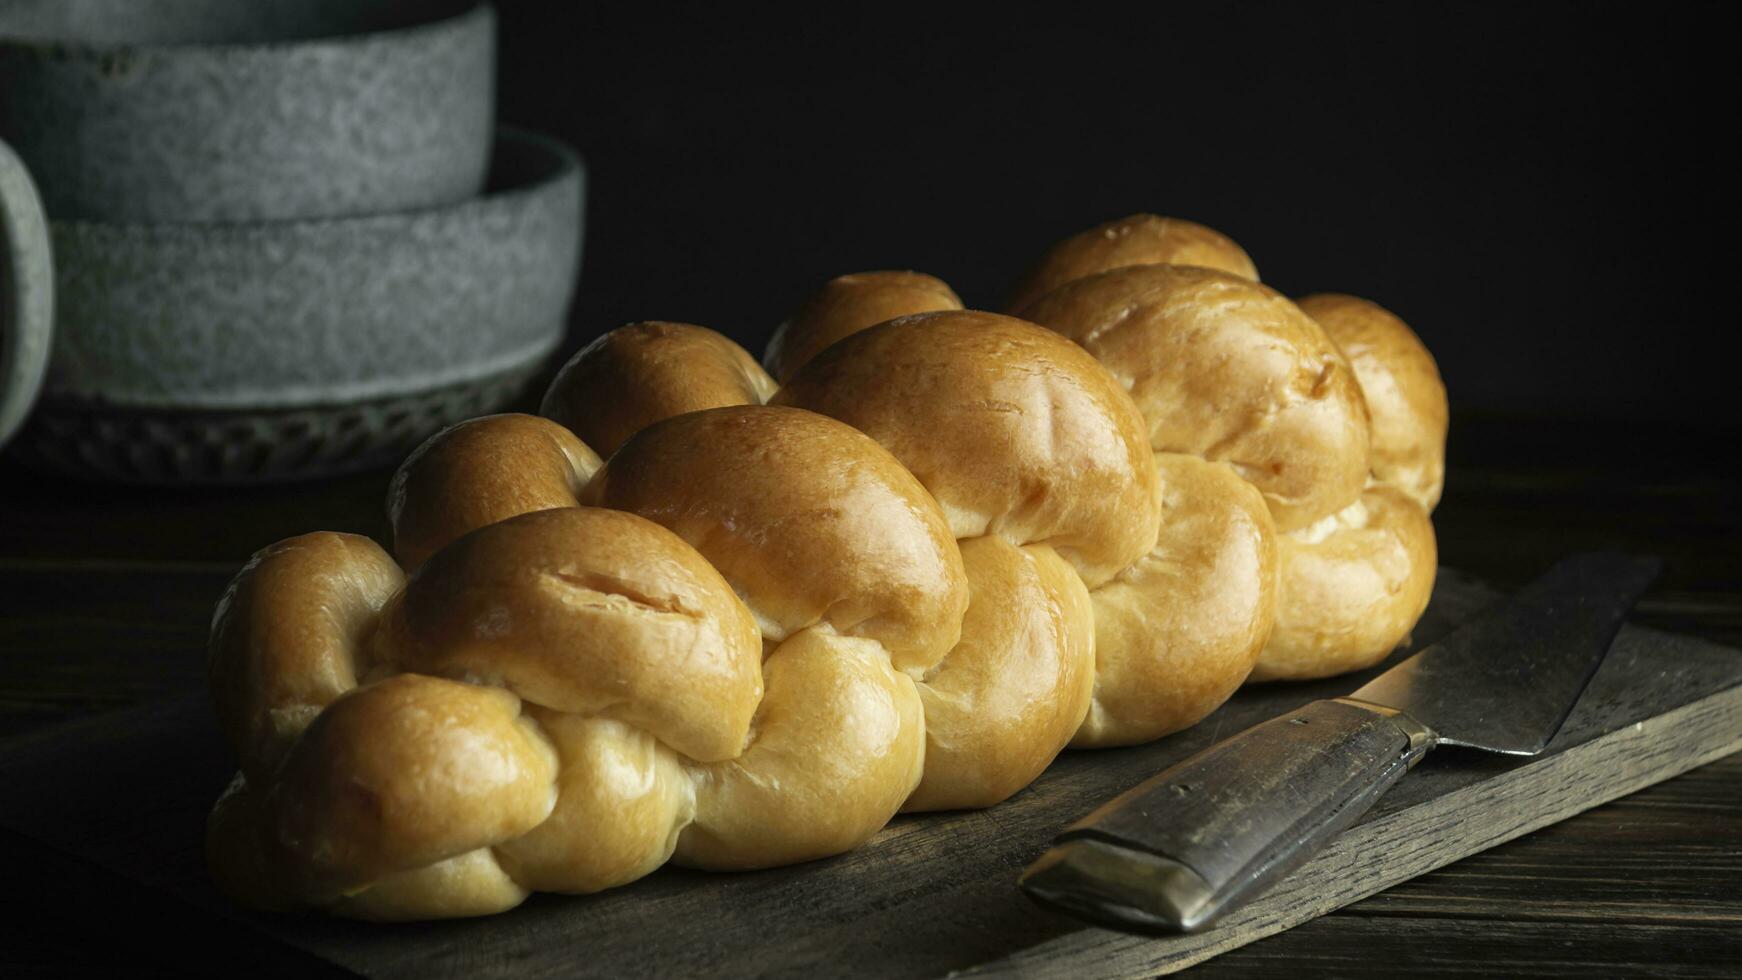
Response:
column 287, row 237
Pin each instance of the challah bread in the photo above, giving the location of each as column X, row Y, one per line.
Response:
column 1405, row 396
column 391, row 801
column 1007, row 698
column 1228, row 369
column 1353, row 586
column 846, row 564
column 1180, row 629
column 555, row 465
column 953, row 544
column 636, row 375
column 403, row 775
column 1025, row 700
column 1015, row 432
column 848, row 304
column 547, row 605
column 272, row 675
column 1141, row 239
column 562, row 700
column 1025, row 440
column 492, row 468
column 812, row 522
column 814, row 529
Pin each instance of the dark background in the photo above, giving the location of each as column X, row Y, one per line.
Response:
column 1542, row 190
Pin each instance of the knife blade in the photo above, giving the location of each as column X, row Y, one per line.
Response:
column 1181, row 849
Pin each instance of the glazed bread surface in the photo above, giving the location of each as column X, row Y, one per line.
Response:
column 1227, row 369
column 1405, row 397
column 689, row 615
column 1140, row 239
column 566, row 698
column 848, row 304
column 1028, row 443
column 636, row 375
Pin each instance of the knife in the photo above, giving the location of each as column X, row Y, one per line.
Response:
column 1179, row 850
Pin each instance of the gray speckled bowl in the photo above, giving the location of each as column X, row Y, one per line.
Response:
column 235, row 110
column 26, row 293
column 309, row 330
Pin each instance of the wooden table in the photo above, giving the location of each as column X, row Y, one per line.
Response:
column 106, row 592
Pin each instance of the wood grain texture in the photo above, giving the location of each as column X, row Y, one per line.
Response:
column 1384, row 946
column 931, row 894
column 1403, row 843
column 1670, row 854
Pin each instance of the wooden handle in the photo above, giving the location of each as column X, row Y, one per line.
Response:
column 1177, row 851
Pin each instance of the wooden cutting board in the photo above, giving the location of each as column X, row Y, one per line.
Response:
column 121, row 799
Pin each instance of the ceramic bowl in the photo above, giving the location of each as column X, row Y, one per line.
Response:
column 192, row 353
column 248, row 446
column 222, row 110
column 26, row 293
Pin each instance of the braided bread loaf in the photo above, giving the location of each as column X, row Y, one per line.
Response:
column 1025, row 441
column 1040, row 463
column 564, row 699
column 950, row 545
column 1016, row 689
column 1229, row 370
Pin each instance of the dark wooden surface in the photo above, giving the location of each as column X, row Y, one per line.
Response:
column 104, row 596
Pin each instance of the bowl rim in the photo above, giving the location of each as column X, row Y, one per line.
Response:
column 248, row 249
column 26, row 293
column 61, row 47
column 569, row 166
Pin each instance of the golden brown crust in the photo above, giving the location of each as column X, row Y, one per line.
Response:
column 1023, row 438
column 848, row 304
column 809, row 520
column 1009, row 696
column 592, row 612
column 1178, row 632
column 1140, row 239
column 774, row 640
column 479, row 472
column 569, row 697
column 387, row 806
column 1229, row 370
column 1405, row 396
column 286, row 637
column 1351, row 587
column 642, row 373
column 1014, row 431
column 416, row 796
column 853, row 577
column 622, row 797
column 839, row 744
column 404, row 773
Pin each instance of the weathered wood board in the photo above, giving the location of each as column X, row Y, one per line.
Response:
column 120, row 801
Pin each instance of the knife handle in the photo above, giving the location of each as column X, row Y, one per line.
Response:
column 1174, row 853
